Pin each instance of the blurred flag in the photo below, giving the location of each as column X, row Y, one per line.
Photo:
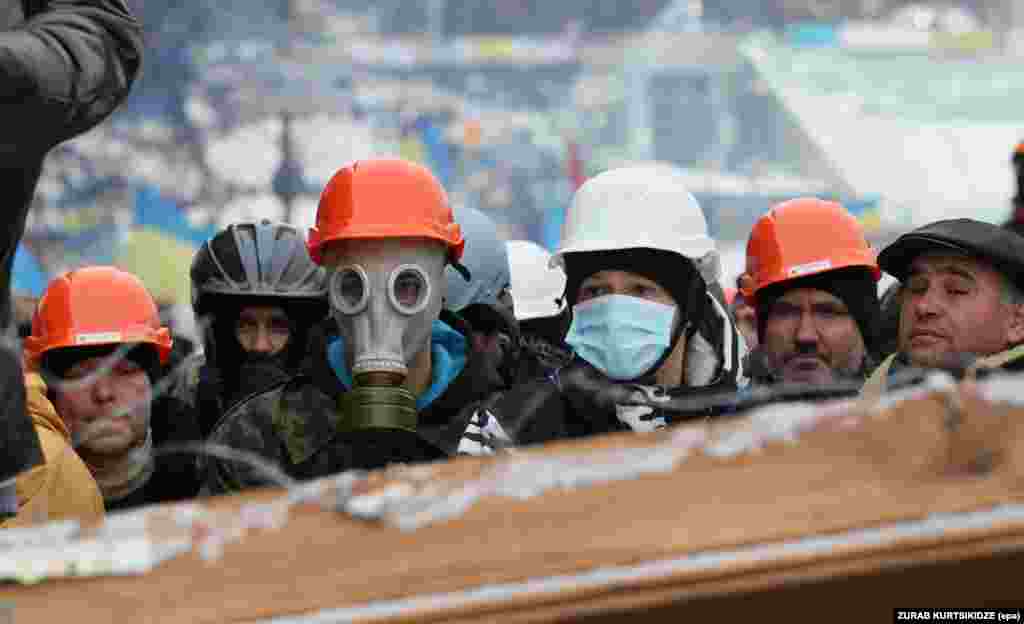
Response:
column 575, row 165
column 158, row 212
column 436, row 150
column 28, row 278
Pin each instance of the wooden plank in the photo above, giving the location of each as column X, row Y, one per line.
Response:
column 900, row 465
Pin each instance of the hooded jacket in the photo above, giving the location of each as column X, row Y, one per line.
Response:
column 294, row 427
column 64, row 67
column 577, row 400
column 62, row 488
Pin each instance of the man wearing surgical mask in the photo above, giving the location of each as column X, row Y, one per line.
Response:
column 644, row 327
column 389, row 378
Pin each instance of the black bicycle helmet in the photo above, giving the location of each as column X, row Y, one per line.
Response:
column 256, row 259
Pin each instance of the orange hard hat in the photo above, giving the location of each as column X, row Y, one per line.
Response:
column 99, row 305
column 384, row 198
column 803, row 237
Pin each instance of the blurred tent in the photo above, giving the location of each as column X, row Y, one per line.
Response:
column 28, row 278
column 160, row 261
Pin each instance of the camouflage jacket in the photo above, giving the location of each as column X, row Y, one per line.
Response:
column 294, row 427
column 200, row 386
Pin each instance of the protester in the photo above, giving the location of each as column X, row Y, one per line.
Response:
column 256, row 294
column 97, row 338
column 643, row 324
column 483, row 300
column 743, row 313
column 538, row 292
column 813, row 284
column 961, row 301
column 64, row 66
column 392, row 373
column 889, row 325
column 1016, row 220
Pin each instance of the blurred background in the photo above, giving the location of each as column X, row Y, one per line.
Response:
column 905, row 111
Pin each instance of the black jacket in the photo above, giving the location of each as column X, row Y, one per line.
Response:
column 578, row 401
column 65, row 65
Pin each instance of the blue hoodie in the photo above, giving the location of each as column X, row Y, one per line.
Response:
column 448, row 354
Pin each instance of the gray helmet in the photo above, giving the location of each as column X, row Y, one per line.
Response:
column 486, row 257
column 256, row 259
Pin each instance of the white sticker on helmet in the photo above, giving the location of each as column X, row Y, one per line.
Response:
column 811, row 267
column 97, row 338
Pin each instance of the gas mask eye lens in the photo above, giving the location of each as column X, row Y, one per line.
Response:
column 349, row 290
column 409, row 289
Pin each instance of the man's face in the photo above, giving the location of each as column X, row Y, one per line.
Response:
column 106, row 403
column 810, row 337
column 953, row 307
column 263, row 329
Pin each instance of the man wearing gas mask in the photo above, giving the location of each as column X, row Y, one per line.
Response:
column 645, row 329
column 256, row 295
column 390, row 377
column 483, row 300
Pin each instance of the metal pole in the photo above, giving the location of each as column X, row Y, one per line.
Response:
column 435, row 20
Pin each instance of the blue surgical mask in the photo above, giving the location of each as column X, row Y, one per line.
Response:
column 622, row 336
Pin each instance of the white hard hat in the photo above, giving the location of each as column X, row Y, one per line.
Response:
column 645, row 206
column 537, row 288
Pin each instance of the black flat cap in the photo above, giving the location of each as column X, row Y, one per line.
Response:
column 1001, row 248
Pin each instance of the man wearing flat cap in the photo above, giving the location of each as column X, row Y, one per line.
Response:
column 961, row 299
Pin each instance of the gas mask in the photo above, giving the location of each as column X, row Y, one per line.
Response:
column 385, row 295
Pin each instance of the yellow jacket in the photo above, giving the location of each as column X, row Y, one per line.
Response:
column 61, row 488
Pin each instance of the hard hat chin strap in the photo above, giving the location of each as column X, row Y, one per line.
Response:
column 463, row 271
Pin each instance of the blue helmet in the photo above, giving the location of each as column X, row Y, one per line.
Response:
column 486, row 257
